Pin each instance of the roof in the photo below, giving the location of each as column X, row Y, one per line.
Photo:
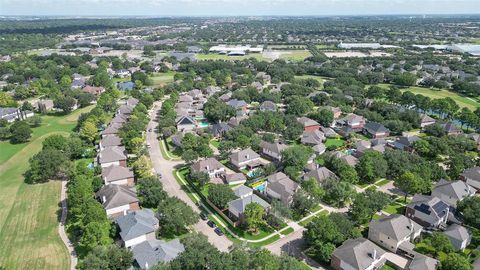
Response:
column 268, row 106
column 395, row 226
column 320, row 174
column 136, row 224
column 312, row 137
column 234, row 177
column 422, row 262
column 426, row 119
column 186, row 120
column 429, row 205
column 240, row 203
column 111, row 140
column 273, row 147
column 350, row 160
column 358, row 252
column 206, row 164
column 244, row 155
column 115, row 195
column 219, row 128
column 242, row 191
column 456, row 190
column 472, row 173
column 451, row 128
column 125, row 85
column 235, row 103
column 457, row 232
column 307, row 122
column 112, row 129
column 374, row 127
column 151, row 252
column 319, row 148
column 282, row 184
column 405, row 141
column 114, row 173
column 112, row 154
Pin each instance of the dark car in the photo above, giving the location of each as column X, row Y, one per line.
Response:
column 211, row 224
column 203, row 216
column 218, row 231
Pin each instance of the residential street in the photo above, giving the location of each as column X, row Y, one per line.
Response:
column 170, row 185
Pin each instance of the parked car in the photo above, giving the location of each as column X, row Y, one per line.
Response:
column 211, row 224
column 218, row 231
column 203, row 216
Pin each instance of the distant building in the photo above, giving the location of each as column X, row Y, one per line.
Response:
column 93, row 90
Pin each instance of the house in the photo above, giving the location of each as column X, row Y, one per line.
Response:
column 137, row 226
column 352, row 121
column 245, row 158
column 376, row 130
column 219, row 130
column 243, row 191
column 78, row 82
column 471, row 176
column 358, row 254
column 451, row 129
column 312, row 137
column 426, row 120
column 152, row 252
column 428, row 211
column 125, row 109
column 349, row 160
column 308, row 124
column 273, row 150
column 186, row 123
column 280, row 186
column 238, row 105
column 329, row 132
column 422, row 262
column 235, row 178
column 132, row 102
column 210, row 166
column 337, row 112
column 12, row 114
column 320, row 174
column 125, row 86
column 194, row 49
column 235, row 121
column 117, row 200
column 114, row 155
column 118, row 175
column 93, row 90
column 44, row 105
column 319, row 149
column 112, row 129
column 394, row 232
column 405, row 143
column 109, row 141
column 122, row 73
column 452, row 192
column 268, row 106
column 459, row 236
column 119, row 119
column 236, row 208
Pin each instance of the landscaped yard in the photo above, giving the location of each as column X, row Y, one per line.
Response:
column 28, row 216
column 382, row 182
column 307, row 220
column 394, row 208
column 336, row 142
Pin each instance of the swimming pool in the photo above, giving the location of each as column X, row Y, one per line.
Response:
column 203, row 124
column 259, row 186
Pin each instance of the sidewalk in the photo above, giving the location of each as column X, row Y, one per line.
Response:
column 61, row 228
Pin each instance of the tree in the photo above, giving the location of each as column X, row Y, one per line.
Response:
column 110, row 257
column 302, row 202
column 296, row 157
column 198, row 254
column 47, row 164
column 95, row 234
column 174, row 216
column 89, row 131
column 150, row 191
column 366, row 204
column 189, row 155
column 264, row 259
column 470, row 208
column 220, row 195
column 34, row 121
column 142, row 167
column 313, row 188
column 254, row 213
column 323, row 116
column 216, row 110
column 371, row 166
column 297, row 105
column 322, row 236
column 64, row 103
column 441, row 243
column 455, row 261
column 337, row 193
column 21, row 132
column 200, row 177
column 409, row 182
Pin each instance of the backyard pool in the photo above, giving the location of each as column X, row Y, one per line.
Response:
column 259, row 186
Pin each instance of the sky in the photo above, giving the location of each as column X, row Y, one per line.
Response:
column 235, row 7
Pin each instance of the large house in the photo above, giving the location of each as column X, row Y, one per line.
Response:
column 308, row 124
column 12, row 114
column 117, row 200
column 112, row 129
column 471, row 176
column 268, row 106
column 313, row 137
column 451, row 129
column 236, row 208
column 319, row 174
column 280, row 186
column 376, row 130
column 428, row 211
column 426, row 120
column 186, row 123
column 210, row 166
column 110, row 141
column 151, row 252
column 459, row 236
column 220, row 129
column 358, row 254
column 452, row 192
column 114, row 155
column 245, row 158
column 352, row 121
column 44, row 105
column 394, row 232
column 273, row 150
column 137, row 226
column 93, row 90
column 118, row 175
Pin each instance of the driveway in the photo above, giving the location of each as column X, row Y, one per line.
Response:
column 165, row 168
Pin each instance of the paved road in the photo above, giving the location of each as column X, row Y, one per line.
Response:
column 170, row 185
column 61, row 228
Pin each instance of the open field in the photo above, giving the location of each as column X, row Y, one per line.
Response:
column 160, row 79
column 28, row 213
column 294, row 55
column 211, row 56
column 350, row 54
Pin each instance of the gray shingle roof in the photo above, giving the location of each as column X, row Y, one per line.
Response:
column 422, row 262
column 112, row 154
column 210, row 163
column 456, row 190
column 116, row 196
column 472, row 173
column 242, row 190
column 273, row 147
column 244, row 155
column 358, row 252
column 374, row 127
column 136, row 224
column 457, row 232
column 320, row 174
column 312, row 137
column 234, row 177
column 240, row 203
column 306, row 122
column 111, row 140
column 114, row 173
column 151, row 252
column 395, row 226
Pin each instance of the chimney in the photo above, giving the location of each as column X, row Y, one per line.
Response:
column 374, row 254
column 104, row 199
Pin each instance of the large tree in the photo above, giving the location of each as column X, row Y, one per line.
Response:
column 150, row 191
column 409, row 183
column 371, row 166
column 220, row 195
column 254, row 213
column 174, row 216
column 20, row 132
column 470, row 208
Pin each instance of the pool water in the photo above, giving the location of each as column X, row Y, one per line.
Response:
column 259, row 187
column 203, row 124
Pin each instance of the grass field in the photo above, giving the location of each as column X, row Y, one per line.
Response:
column 28, row 213
column 318, row 78
column 295, row 55
column 160, row 79
column 433, row 93
column 211, row 56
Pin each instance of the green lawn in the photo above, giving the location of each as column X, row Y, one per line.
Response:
column 211, row 56
column 382, row 182
column 287, row 231
column 28, row 213
column 336, row 142
column 295, row 55
column 215, row 143
column 160, row 79
column 318, row 78
column 433, row 93
column 306, row 221
column 394, row 208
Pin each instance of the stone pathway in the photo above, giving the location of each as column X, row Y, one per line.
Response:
column 61, row 228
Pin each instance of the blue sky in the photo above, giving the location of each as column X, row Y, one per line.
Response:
column 236, row 7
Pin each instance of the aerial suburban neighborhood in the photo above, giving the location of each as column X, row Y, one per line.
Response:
column 240, row 142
